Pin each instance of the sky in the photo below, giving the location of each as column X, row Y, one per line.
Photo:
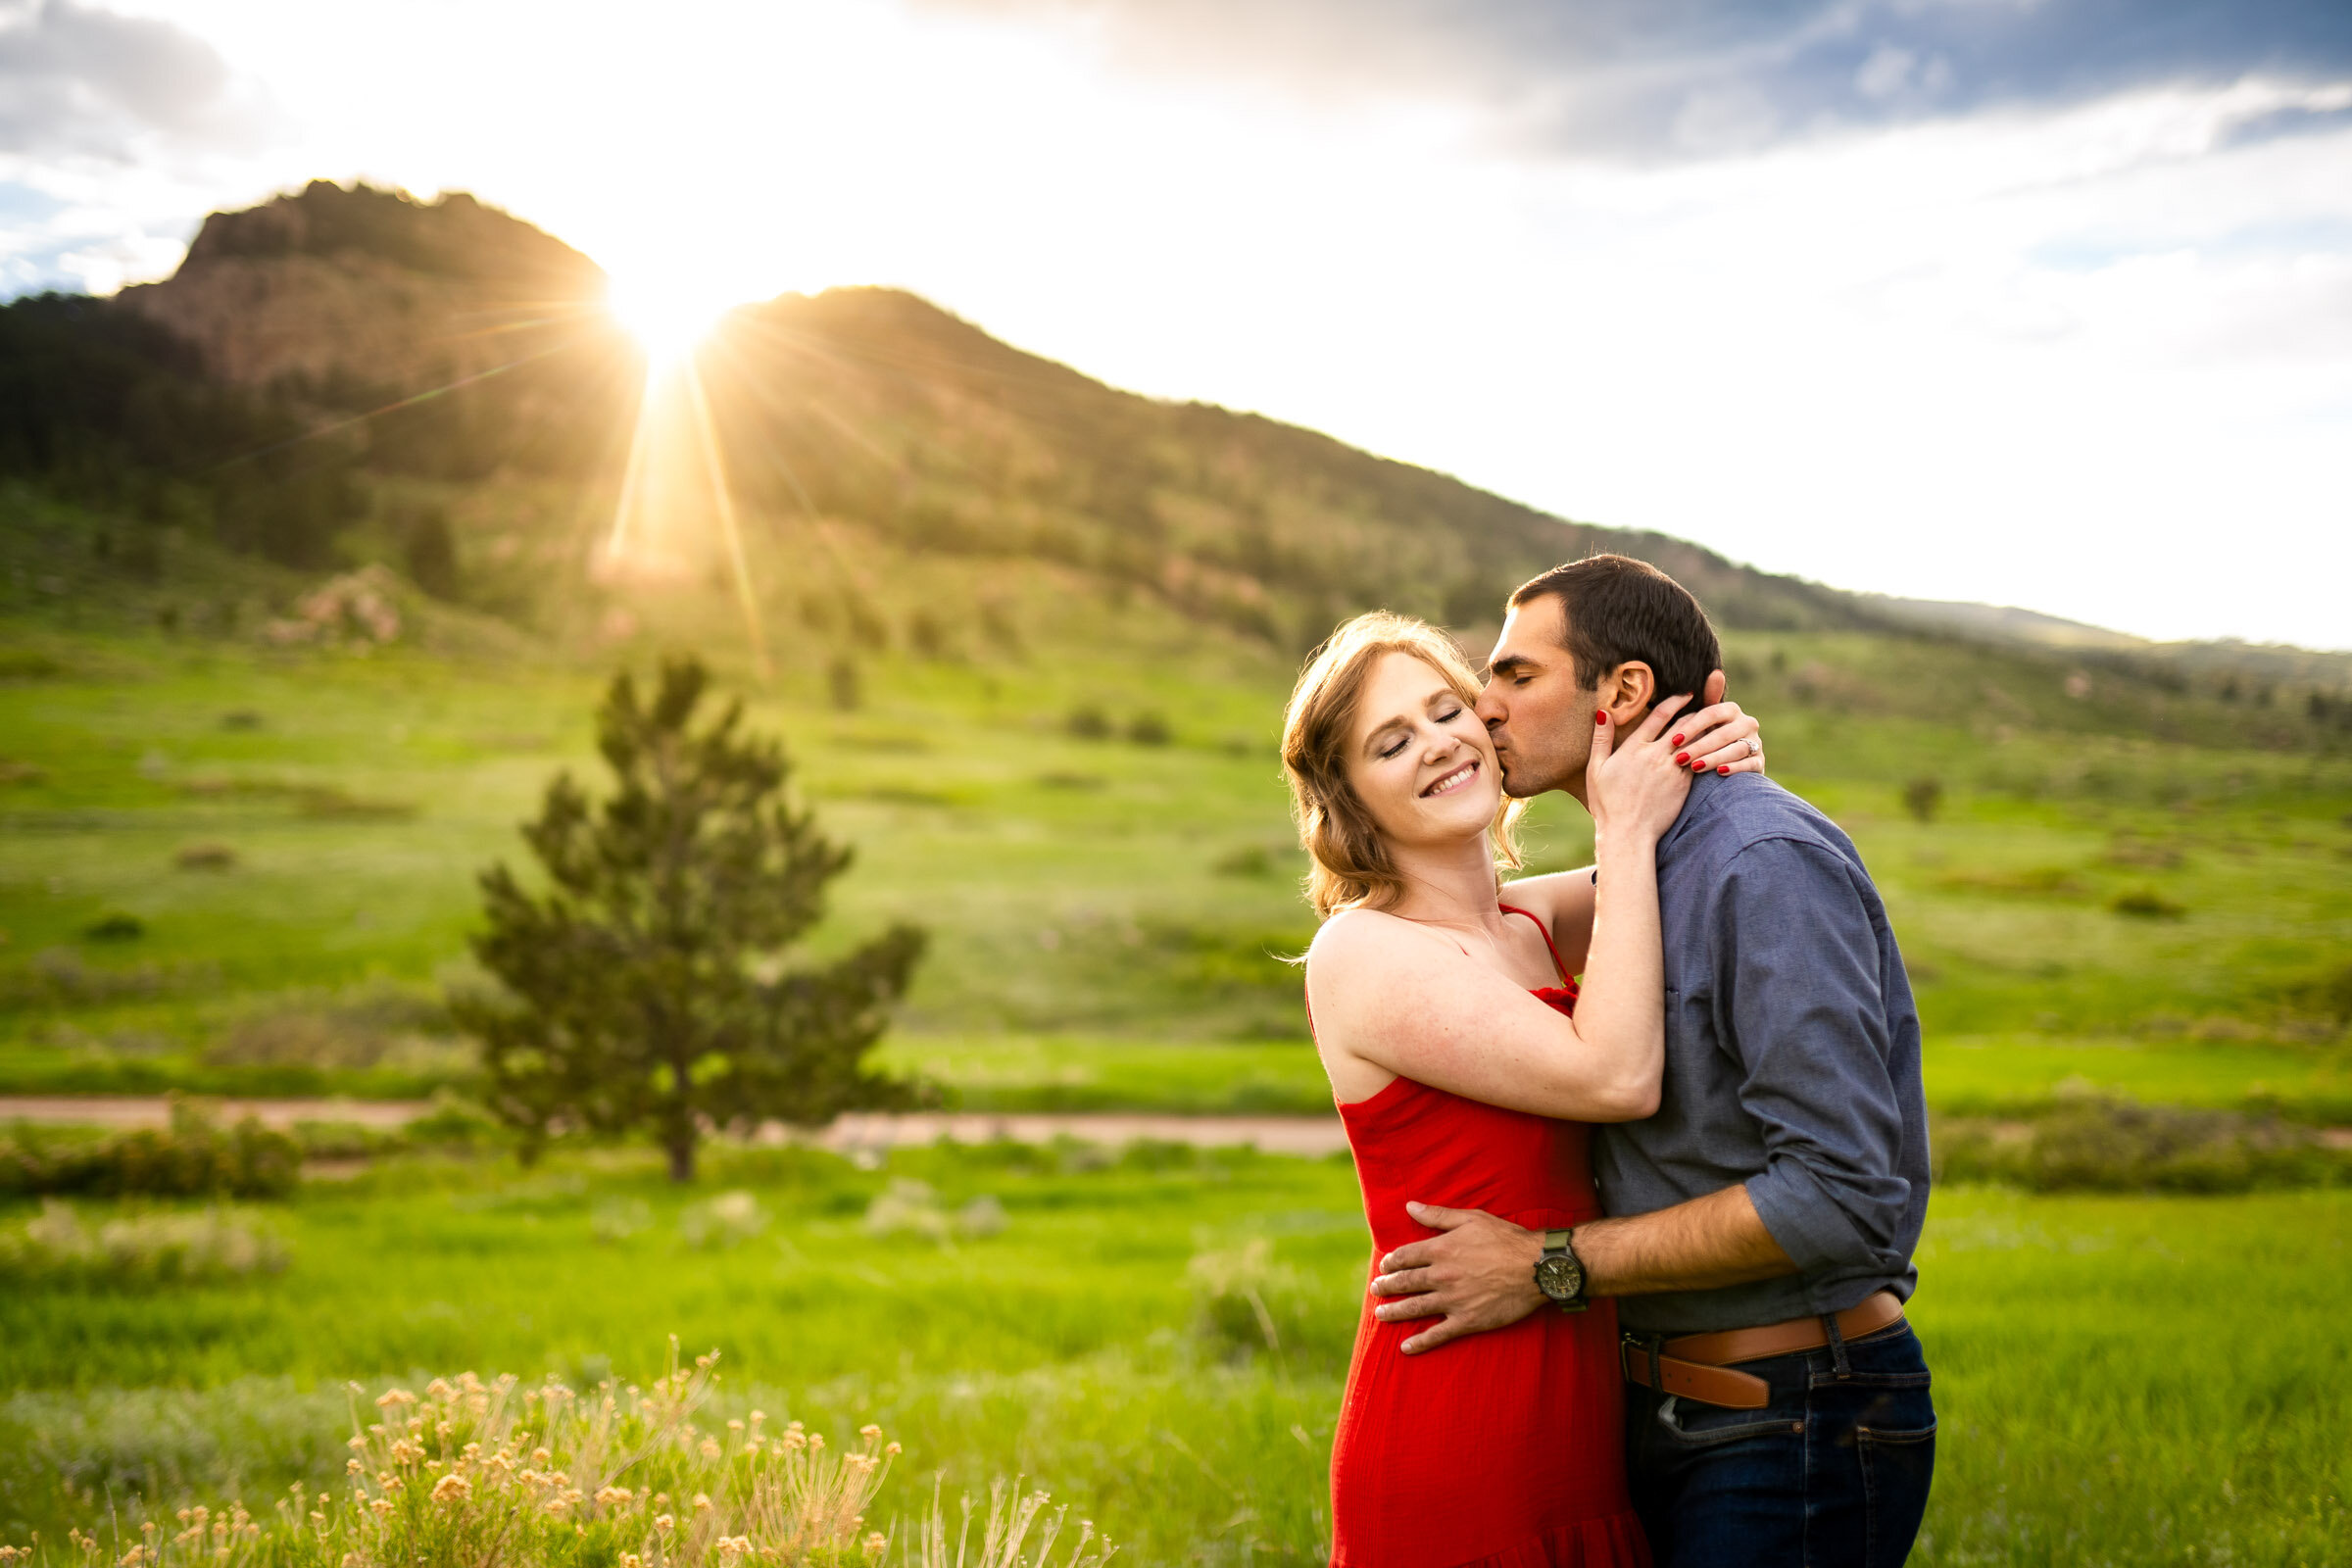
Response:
column 2033, row 302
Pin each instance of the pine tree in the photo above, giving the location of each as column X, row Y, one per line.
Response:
column 648, row 986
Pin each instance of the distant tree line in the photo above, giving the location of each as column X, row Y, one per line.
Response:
column 103, row 408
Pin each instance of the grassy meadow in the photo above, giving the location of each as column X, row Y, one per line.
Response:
column 238, row 870
column 2105, row 1395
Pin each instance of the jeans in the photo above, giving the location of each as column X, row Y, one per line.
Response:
column 1833, row 1473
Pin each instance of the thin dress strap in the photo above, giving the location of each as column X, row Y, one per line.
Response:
column 1557, row 967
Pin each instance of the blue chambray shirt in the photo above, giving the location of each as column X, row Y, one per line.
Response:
column 1791, row 1062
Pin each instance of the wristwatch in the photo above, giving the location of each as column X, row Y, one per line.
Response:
column 1559, row 1275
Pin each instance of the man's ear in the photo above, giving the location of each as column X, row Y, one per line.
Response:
column 1628, row 691
column 1716, row 686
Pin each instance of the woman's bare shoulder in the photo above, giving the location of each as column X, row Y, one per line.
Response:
column 1356, row 941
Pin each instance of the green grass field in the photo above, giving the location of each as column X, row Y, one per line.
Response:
column 2119, row 1380
column 293, row 839
column 337, row 810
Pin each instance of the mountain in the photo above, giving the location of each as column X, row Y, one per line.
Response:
column 2004, row 623
column 437, row 385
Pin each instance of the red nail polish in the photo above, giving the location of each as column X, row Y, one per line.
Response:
column 1601, row 717
column 1724, row 771
column 1677, row 741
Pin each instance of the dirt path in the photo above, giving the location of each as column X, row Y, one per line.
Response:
column 1276, row 1135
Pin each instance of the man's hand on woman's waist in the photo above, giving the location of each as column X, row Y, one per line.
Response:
column 1479, row 1274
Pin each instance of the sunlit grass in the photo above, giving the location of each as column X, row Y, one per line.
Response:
column 2106, row 1392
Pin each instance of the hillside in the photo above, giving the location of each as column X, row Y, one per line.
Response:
column 471, row 414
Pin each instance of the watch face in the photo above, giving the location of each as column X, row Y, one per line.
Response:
column 1560, row 1278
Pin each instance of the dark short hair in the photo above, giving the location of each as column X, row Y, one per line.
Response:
column 1618, row 609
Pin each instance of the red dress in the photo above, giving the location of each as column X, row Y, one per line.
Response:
column 1498, row 1451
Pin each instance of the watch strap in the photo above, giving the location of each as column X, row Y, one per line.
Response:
column 1561, row 1243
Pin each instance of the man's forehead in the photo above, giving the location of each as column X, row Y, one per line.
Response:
column 1531, row 633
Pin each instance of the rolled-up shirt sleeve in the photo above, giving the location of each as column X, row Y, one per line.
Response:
column 1798, row 1001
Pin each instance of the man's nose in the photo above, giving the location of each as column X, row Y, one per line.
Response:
column 1490, row 709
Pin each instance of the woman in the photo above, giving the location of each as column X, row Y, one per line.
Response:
column 1441, row 1009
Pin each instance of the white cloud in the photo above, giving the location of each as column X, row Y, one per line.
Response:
column 77, row 80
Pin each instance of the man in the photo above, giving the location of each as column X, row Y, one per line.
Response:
column 1761, row 1224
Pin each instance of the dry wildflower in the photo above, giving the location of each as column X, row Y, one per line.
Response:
column 701, row 1503
column 710, row 1448
column 876, row 1545
column 452, row 1489
column 869, row 1432
column 892, row 1449
column 664, row 1522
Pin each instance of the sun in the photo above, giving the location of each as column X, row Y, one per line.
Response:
column 666, row 317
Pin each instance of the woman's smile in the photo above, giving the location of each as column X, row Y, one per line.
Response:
column 1455, row 780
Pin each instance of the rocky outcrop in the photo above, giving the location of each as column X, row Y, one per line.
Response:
column 345, row 296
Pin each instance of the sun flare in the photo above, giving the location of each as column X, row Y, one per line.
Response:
column 667, row 319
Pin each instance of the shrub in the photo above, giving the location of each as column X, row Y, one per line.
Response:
column 115, row 926
column 139, row 1249
column 322, row 1138
column 374, row 1025
column 453, row 1122
column 2329, row 993
column 841, row 683
column 191, row 1158
column 2102, row 1145
column 1150, row 729
column 1249, row 860
column 206, row 857
column 1088, row 723
column 470, row 1473
column 1922, row 797
column 2147, row 903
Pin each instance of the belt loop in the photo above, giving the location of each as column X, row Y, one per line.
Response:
column 1658, row 1372
column 1829, row 1323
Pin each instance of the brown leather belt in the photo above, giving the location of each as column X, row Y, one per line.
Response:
column 1698, row 1366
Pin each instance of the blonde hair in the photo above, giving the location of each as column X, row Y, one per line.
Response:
column 1352, row 866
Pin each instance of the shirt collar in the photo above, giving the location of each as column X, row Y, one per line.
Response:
column 1705, row 797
